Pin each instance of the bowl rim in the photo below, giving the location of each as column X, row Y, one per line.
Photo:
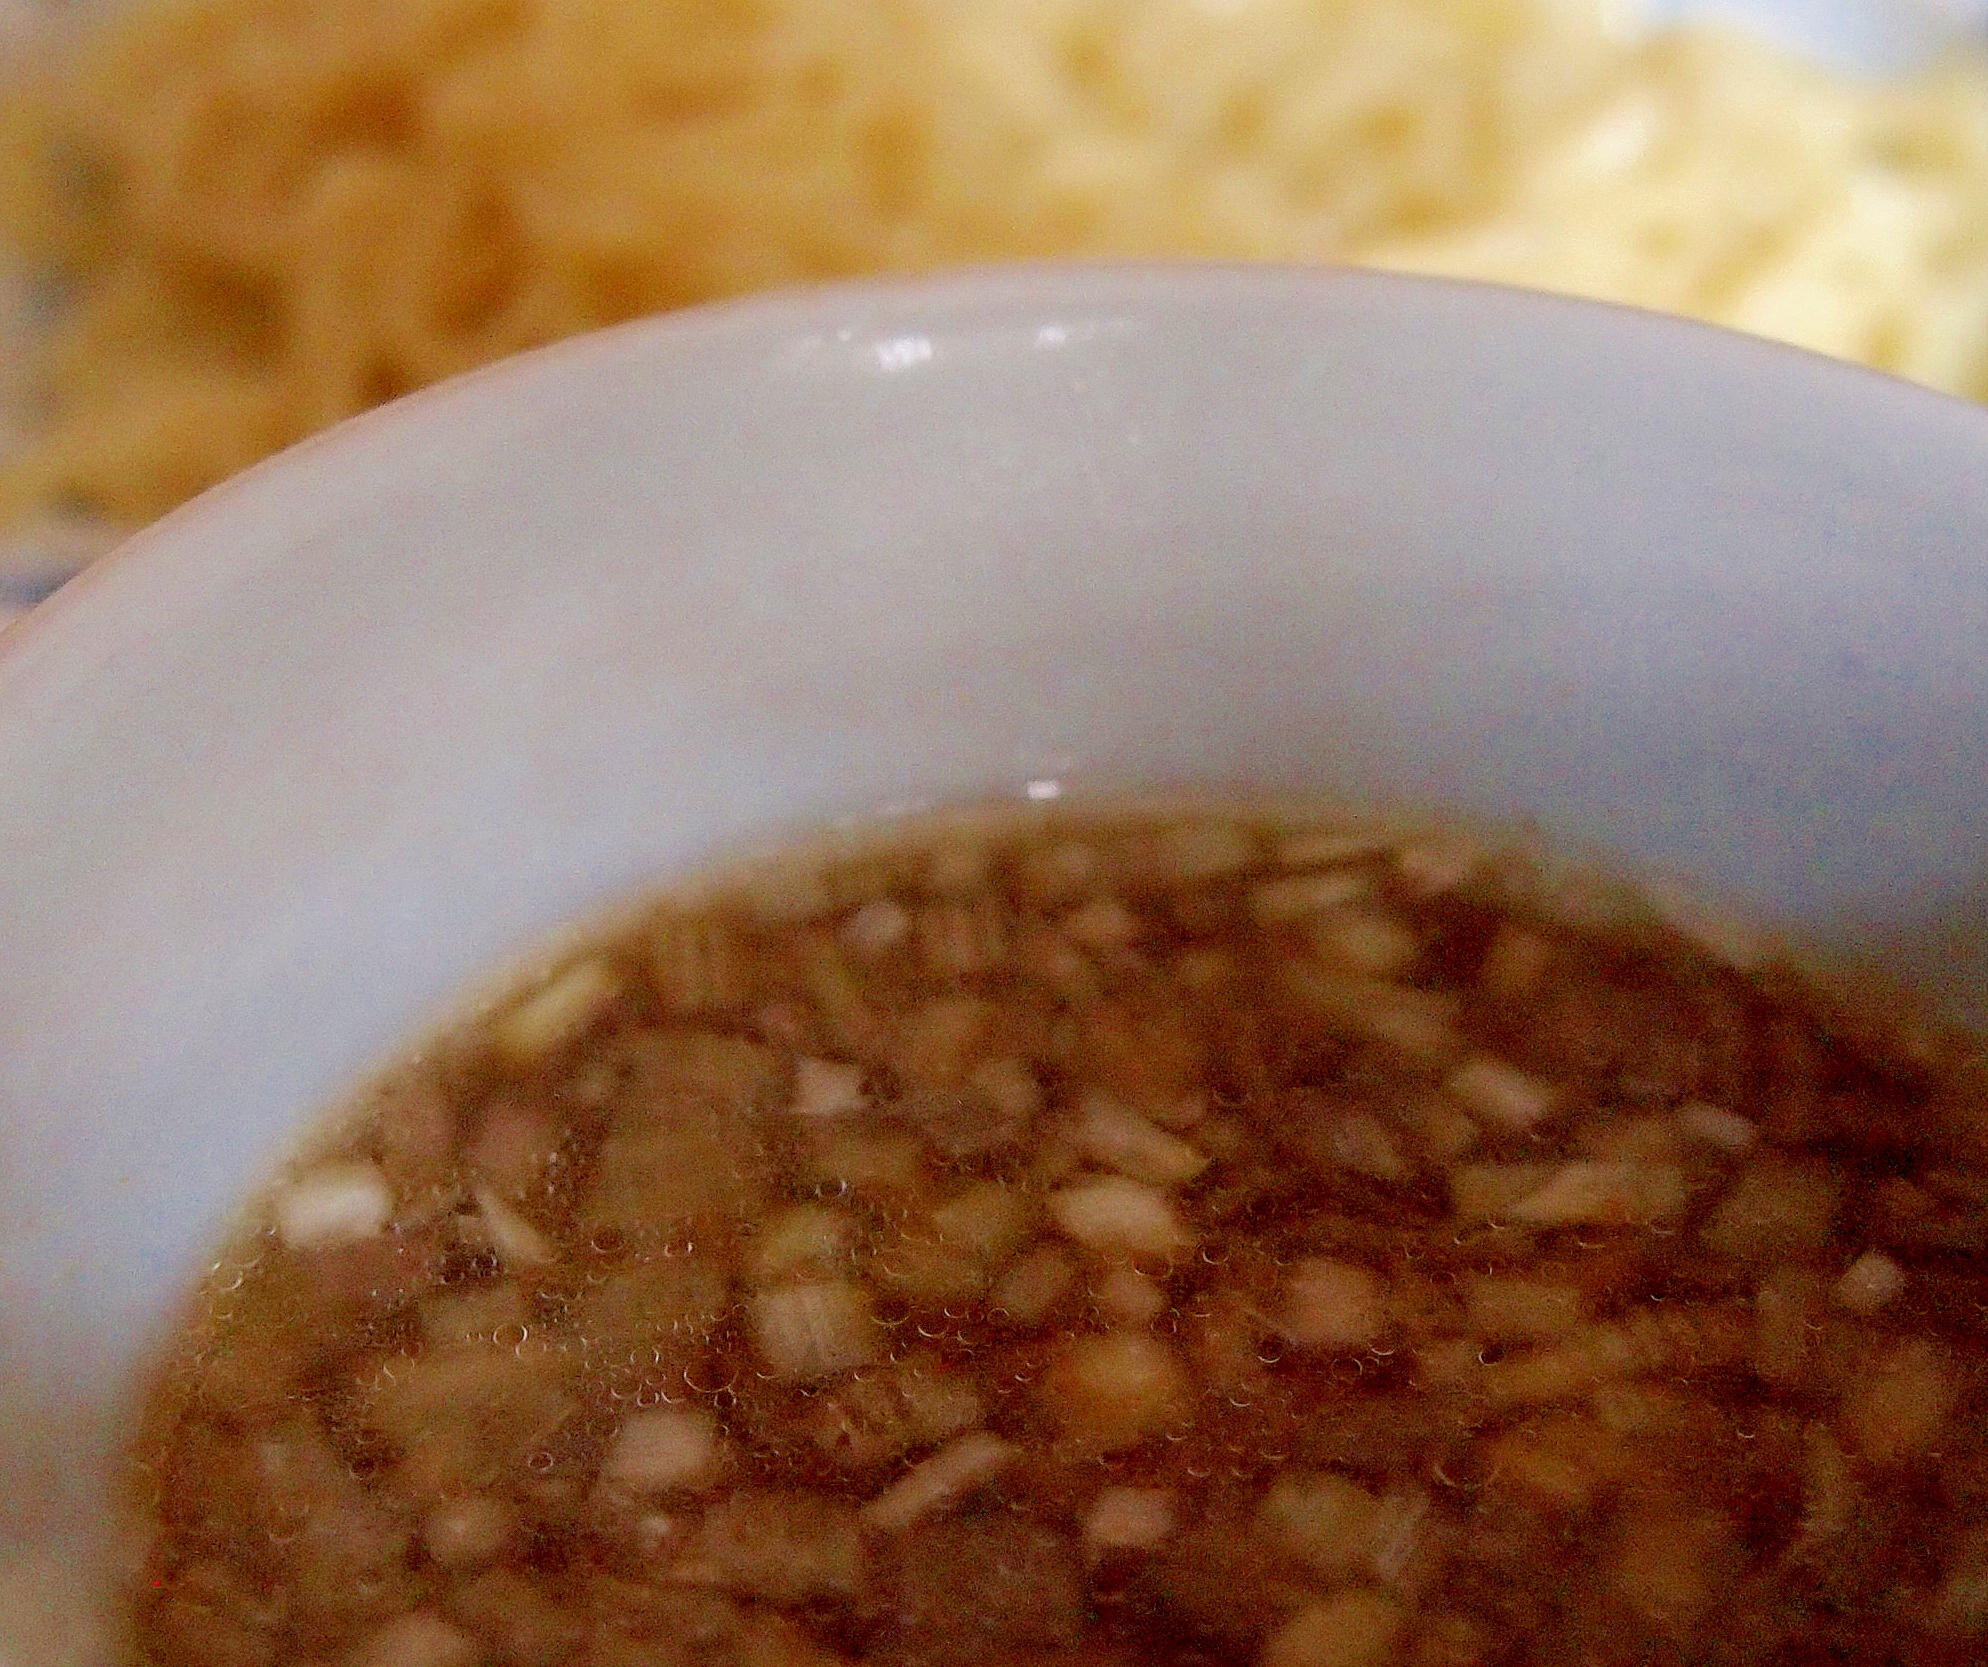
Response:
column 58, row 646
column 1025, row 288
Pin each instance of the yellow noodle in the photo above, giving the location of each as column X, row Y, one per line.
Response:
column 268, row 214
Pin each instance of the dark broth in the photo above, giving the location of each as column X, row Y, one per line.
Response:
column 1099, row 1240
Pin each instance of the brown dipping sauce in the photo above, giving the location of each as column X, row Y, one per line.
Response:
column 1108, row 1239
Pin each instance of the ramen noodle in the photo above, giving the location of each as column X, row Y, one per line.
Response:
column 250, row 218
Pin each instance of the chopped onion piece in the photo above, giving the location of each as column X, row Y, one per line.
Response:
column 1177, row 1111
column 1120, row 1138
column 1364, row 942
column 1329, row 847
column 1645, row 1343
column 1128, row 1519
column 1323, row 1520
column 810, row 1332
column 1034, row 1285
column 918, row 1402
column 1366, row 1146
column 1421, row 1023
column 1487, row 1191
column 338, row 1203
column 940, row 1482
column 697, row 966
column 783, row 1546
column 1438, row 865
column 1869, row 1283
column 668, row 1448
column 1897, row 1407
column 1009, row 1088
column 1103, row 924
column 926, row 1271
column 877, row 926
column 1352, row 1628
column 937, row 1402
column 1273, row 902
column 1114, row 1391
column 463, row 1533
column 420, row 1639
column 989, row 1220
column 514, row 1144
column 1590, row 1193
column 803, row 1241
column 1716, row 1126
column 1561, row 1461
column 1500, row 1094
column 517, row 1242
column 1332, row 1305
column 1125, row 1296
column 1112, row 1213
column 1446, row 1130
column 558, row 1013
column 827, row 1088
column 1400, row 1553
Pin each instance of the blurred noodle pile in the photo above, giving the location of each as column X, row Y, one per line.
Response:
column 258, row 216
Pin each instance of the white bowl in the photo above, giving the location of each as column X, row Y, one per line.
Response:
column 333, row 739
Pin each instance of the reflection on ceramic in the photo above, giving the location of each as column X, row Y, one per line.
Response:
column 349, row 730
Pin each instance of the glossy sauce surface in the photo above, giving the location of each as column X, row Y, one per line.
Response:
column 1109, row 1239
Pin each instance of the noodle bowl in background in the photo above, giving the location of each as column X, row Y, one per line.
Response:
column 260, row 216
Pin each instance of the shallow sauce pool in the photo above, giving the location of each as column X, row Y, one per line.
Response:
column 1099, row 1238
